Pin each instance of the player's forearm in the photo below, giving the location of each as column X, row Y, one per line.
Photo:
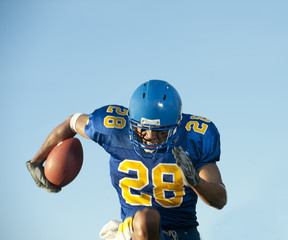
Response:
column 213, row 194
column 60, row 133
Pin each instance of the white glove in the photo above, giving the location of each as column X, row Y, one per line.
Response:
column 109, row 230
column 115, row 230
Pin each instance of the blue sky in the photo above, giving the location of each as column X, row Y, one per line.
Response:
column 227, row 59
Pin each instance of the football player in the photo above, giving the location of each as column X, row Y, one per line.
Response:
column 161, row 161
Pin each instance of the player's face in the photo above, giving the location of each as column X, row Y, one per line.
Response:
column 152, row 137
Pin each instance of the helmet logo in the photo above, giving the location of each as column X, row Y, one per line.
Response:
column 145, row 121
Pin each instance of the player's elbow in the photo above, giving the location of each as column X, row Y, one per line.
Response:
column 218, row 201
column 221, row 202
column 220, row 205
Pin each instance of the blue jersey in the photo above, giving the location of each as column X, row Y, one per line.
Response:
column 156, row 182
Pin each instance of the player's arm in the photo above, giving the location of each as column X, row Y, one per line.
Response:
column 210, row 188
column 207, row 182
column 65, row 130
column 72, row 125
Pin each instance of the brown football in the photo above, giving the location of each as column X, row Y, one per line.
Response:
column 64, row 162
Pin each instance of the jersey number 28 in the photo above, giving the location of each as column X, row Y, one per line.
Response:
column 161, row 185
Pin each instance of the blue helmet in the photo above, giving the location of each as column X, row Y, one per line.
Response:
column 154, row 105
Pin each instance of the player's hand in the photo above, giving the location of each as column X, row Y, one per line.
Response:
column 36, row 170
column 188, row 171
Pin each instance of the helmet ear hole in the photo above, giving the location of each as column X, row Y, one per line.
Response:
column 164, row 97
column 144, row 95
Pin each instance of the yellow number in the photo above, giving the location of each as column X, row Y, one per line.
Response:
column 196, row 126
column 114, row 122
column 135, row 183
column 175, row 186
column 118, row 110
